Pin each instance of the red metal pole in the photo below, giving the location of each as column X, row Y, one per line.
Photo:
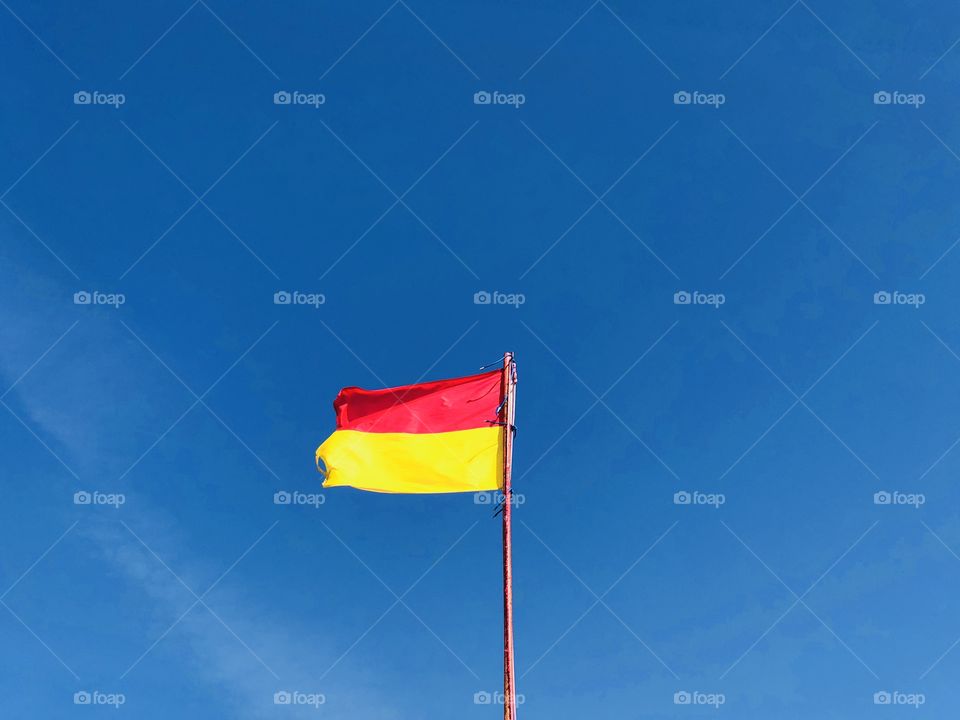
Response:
column 509, row 412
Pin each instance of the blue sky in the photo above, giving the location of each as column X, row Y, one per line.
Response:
column 788, row 201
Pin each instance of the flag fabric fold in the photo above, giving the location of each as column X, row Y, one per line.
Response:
column 435, row 437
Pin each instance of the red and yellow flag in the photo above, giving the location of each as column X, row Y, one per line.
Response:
column 436, row 437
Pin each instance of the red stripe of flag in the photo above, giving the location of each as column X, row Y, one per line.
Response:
column 439, row 406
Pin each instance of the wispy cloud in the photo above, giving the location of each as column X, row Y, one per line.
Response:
column 240, row 649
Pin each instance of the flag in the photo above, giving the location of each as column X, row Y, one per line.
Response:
column 436, row 437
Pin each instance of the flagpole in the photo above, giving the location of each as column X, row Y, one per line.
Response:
column 509, row 412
